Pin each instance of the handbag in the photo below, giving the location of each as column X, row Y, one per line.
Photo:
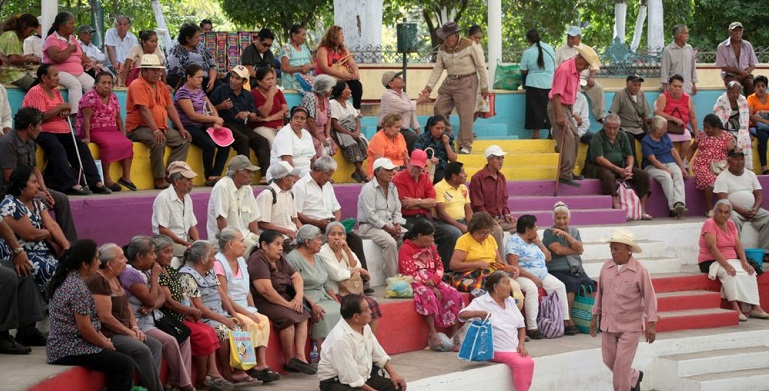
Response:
column 469, row 280
column 353, row 285
column 674, row 128
column 718, row 166
column 242, row 352
column 172, row 327
column 507, row 77
column 629, row 201
column 342, row 65
column 582, row 309
column 550, row 317
column 479, row 342
column 399, row 286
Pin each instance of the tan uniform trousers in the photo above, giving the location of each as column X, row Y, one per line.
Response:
column 597, row 100
column 570, row 136
column 459, row 93
column 179, row 148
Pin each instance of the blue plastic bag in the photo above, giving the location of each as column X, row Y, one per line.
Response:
column 479, row 343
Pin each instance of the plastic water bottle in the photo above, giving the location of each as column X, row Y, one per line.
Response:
column 314, row 355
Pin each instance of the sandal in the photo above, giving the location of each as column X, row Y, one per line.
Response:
column 266, row 375
column 218, row 383
column 646, row 217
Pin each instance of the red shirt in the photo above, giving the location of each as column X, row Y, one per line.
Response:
column 566, row 82
column 489, row 194
column 277, row 103
column 407, row 187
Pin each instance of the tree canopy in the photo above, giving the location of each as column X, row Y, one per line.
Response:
column 278, row 16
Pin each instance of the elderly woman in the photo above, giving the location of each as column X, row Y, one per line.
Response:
column 56, row 140
column 188, row 52
column 434, row 299
column 278, row 292
column 62, row 49
column 565, row 245
column 525, row 250
column 343, row 266
column 311, row 266
column 202, row 288
column 759, row 118
column 99, row 121
column 626, row 307
column 334, row 59
column 16, row 65
column 34, row 227
column 508, row 327
column 141, row 282
column 232, row 273
column 664, row 164
column 293, row 143
column 610, row 158
column 198, row 114
column 436, row 139
column 203, row 339
column 722, row 256
column 712, row 146
column 295, row 59
column 678, row 107
column 118, row 321
column 476, row 255
column 538, row 68
column 317, row 104
column 148, row 44
column 75, row 337
column 388, row 143
column 271, row 106
column 346, row 129
column 732, row 108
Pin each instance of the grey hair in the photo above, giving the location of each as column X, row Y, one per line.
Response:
column 161, row 242
column 678, row 28
column 198, row 252
column 733, row 84
column 231, row 172
column 117, row 19
column 658, row 122
column 722, row 201
column 175, row 176
column 560, row 207
column 227, row 235
column 613, row 118
column 307, row 232
column 323, row 84
column 324, row 163
column 139, row 245
column 106, row 252
column 333, row 224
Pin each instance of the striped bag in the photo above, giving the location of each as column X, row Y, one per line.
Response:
column 629, row 201
column 550, row 318
column 582, row 310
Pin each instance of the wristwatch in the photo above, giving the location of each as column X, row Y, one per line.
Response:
column 18, row 250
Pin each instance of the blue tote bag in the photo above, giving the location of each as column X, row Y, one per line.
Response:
column 478, row 344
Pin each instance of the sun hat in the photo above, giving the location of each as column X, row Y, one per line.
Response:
column 221, row 137
column 181, row 168
column 447, row 29
column 151, row 61
column 574, row 31
column 282, row 169
column 624, row 236
column 385, row 163
column 418, row 158
column 494, row 150
column 589, row 55
column 241, row 162
column 388, row 76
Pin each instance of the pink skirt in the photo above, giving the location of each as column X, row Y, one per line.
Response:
column 113, row 145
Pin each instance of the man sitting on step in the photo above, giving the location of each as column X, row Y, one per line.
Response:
column 452, row 205
column 276, row 202
column 488, row 193
column 172, row 213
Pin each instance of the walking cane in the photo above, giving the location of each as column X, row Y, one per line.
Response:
column 565, row 129
column 77, row 152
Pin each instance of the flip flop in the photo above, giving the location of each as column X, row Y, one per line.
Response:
column 646, row 217
column 266, row 375
column 246, row 380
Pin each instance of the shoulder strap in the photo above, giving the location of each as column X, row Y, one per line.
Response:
column 275, row 195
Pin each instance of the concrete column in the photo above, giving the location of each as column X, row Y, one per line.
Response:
column 494, row 35
column 656, row 31
column 362, row 24
column 48, row 11
column 620, row 15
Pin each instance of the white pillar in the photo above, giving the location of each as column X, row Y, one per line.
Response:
column 620, row 15
column 48, row 11
column 362, row 24
column 656, row 32
column 162, row 27
column 495, row 37
column 639, row 27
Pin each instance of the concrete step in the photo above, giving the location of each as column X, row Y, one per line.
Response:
column 545, row 187
column 653, row 265
column 513, row 146
column 718, row 361
column 696, row 319
column 580, row 217
column 743, row 380
column 688, row 300
column 528, row 173
column 676, row 282
column 477, row 159
column 547, row 202
column 599, row 249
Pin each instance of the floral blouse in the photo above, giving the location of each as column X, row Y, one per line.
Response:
column 71, row 298
column 13, row 207
column 421, row 263
column 723, row 109
column 179, row 57
column 530, row 256
column 104, row 115
column 174, row 284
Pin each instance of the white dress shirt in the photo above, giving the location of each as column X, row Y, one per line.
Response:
column 237, row 206
column 281, row 212
column 348, row 355
column 172, row 213
column 313, row 201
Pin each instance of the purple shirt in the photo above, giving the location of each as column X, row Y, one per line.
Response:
column 725, row 56
column 198, row 99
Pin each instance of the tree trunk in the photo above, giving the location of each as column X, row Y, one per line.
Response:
column 162, row 29
column 639, row 27
column 620, row 15
column 656, row 34
column 362, row 24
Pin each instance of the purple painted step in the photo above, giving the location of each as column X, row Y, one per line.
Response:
column 580, row 217
column 545, row 188
column 521, row 203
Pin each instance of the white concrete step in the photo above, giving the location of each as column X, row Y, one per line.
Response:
column 600, row 249
column 653, row 264
column 743, row 380
column 720, row 360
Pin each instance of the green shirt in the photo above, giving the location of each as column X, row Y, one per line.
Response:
column 615, row 153
column 11, row 44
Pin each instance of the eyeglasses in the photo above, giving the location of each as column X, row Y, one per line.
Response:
column 267, row 45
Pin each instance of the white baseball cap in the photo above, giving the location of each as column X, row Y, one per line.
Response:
column 385, row 163
column 494, row 150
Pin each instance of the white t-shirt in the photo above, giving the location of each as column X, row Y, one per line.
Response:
column 505, row 322
column 122, row 45
column 739, row 188
column 313, row 201
column 301, row 149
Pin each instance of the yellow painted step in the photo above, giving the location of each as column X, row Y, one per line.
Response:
column 515, row 146
column 513, row 160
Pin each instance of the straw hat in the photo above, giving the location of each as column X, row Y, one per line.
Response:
column 589, row 55
column 151, row 61
column 624, row 236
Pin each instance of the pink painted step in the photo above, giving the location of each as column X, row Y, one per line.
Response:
column 579, row 217
column 546, row 202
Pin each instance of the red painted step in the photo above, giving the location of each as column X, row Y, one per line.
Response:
column 696, row 319
column 684, row 282
column 687, row 300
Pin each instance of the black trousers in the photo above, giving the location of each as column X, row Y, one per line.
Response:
column 117, row 367
column 63, row 165
column 62, row 212
column 214, row 156
column 20, row 303
column 376, row 381
column 245, row 138
column 356, row 87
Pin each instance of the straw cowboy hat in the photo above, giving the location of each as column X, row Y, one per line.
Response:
column 589, row 55
column 447, row 29
column 624, row 236
column 151, row 61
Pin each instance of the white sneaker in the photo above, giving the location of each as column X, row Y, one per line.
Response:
column 464, row 151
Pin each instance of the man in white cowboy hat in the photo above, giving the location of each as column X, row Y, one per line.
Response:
column 592, row 89
column 560, row 109
column 148, row 107
column 172, row 213
column 465, row 71
column 626, row 307
column 395, row 100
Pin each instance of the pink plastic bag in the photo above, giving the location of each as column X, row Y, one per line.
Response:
column 629, row 201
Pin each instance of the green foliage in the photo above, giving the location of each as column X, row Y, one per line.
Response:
column 277, row 16
column 712, row 17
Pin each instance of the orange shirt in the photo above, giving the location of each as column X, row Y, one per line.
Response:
column 37, row 98
column 142, row 93
column 755, row 105
column 382, row 146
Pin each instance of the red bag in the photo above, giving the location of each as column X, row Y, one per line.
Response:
column 629, row 201
column 491, row 99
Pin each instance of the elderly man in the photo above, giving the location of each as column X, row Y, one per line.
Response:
column 560, row 109
column 18, row 148
column 379, row 214
column 742, row 189
column 172, row 213
column 395, row 100
column 236, row 107
column 350, row 351
column 736, row 58
column 118, row 41
column 452, row 204
column 664, row 164
column 633, row 110
column 465, row 71
column 20, row 305
column 232, row 203
column 276, row 202
column 316, row 202
column 148, row 108
column 592, row 89
column 100, row 61
column 610, row 158
column 488, row 193
column 259, row 53
column 678, row 58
